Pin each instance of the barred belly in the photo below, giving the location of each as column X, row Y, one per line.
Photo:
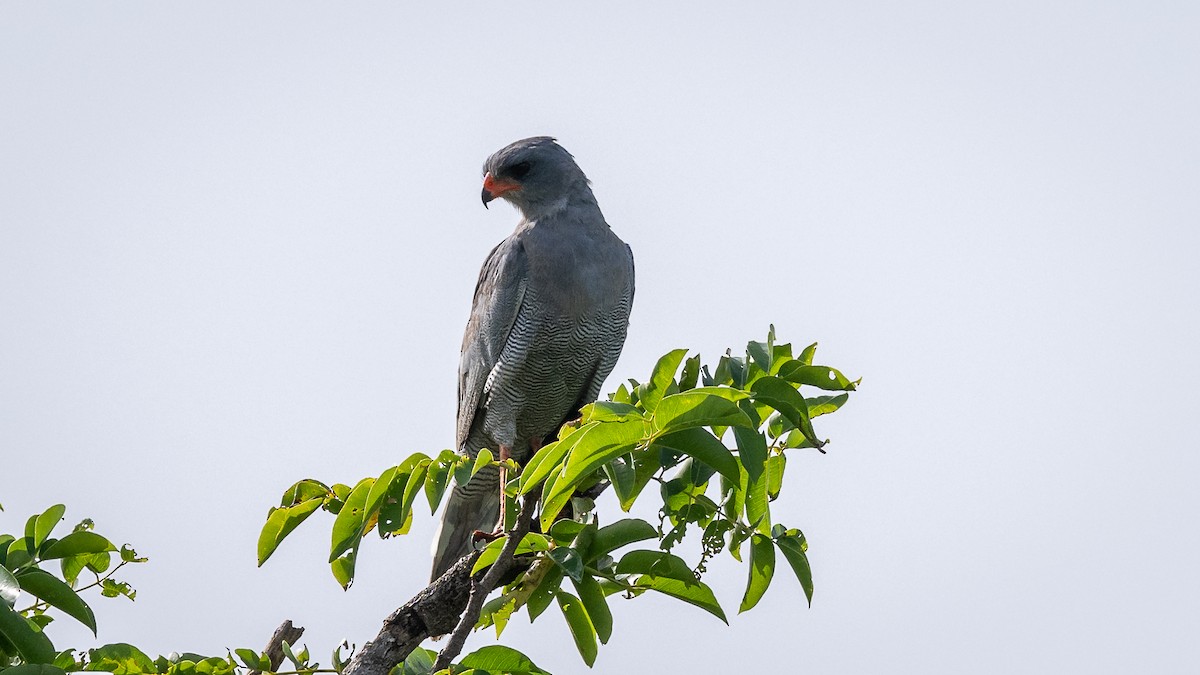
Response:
column 548, row 369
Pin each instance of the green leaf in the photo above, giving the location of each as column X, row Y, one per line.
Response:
column 112, row 589
column 497, row 612
column 737, row 371
column 121, row 659
column 592, row 596
column 546, row 461
column 347, row 528
column 622, row 475
column 34, row 669
column 419, row 662
column 690, row 374
column 72, row 566
column 758, row 511
column 696, row 593
column 481, row 460
column 42, row 584
column 395, row 514
column 775, row 466
column 580, row 625
column 752, row 449
column 564, row 532
column 821, row 377
column 378, row 493
column 499, row 659
column 658, row 564
column 736, row 503
column 303, row 491
column 66, row 660
column 436, row 480
column 823, row 405
column 600, row 442
column 762, row 568
column 703, row 446
column 793, row 548
column 760, row 354
column 783, row 397
column 291, row 656
column 569, row 560
column 541, row 596
column 700, row 407
column 621, row 533
column 76, row 543
column 30, row 643
column 645, row 465
column 343, row 568
column 46, row 522
column 532, row 542
column 10, row 589
column 248, row 657
column 99, row 562
column 651, row 393
column 609, row 411
column 806, row 356
column 129, row 555
column 280, row 523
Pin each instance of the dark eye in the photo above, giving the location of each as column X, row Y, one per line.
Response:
column 519, row 170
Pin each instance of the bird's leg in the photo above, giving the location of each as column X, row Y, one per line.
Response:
column 535, row 444
column 505, row 453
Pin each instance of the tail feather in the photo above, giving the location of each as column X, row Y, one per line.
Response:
column 474, row 506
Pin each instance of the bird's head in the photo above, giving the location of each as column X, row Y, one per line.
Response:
column 536, row 175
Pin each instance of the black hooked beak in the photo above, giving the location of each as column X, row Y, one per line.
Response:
column 494, row 187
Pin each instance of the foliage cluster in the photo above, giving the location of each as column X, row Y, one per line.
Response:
column 715, row 442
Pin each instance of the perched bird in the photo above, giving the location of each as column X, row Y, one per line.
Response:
column 547, row 324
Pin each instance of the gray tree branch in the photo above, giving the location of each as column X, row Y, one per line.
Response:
column 285, row 633
column 434, row 611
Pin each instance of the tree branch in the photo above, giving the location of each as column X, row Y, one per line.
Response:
column 452, row 603
column 433, row 611
column 480, row 588
column 285, row 632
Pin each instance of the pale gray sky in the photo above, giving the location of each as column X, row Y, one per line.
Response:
column 238, row 244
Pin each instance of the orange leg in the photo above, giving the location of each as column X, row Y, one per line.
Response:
column 505, row 453
column 535, row 444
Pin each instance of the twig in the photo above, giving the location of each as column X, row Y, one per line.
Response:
column 274, row 650
column 480, row 588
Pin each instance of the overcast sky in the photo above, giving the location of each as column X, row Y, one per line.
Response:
column 238, row 244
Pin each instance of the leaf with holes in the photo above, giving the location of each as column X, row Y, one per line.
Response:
column 347, row 528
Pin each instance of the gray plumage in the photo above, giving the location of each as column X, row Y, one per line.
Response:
column 547, row 324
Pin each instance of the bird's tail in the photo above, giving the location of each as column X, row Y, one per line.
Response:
column 474, row 506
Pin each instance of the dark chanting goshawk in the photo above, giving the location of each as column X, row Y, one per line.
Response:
column 547, row 324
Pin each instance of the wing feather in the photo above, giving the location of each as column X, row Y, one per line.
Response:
column 498, row 297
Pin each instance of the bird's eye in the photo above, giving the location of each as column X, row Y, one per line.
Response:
column 519, row 170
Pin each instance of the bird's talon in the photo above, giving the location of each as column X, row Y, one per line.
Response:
column 480, row 535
